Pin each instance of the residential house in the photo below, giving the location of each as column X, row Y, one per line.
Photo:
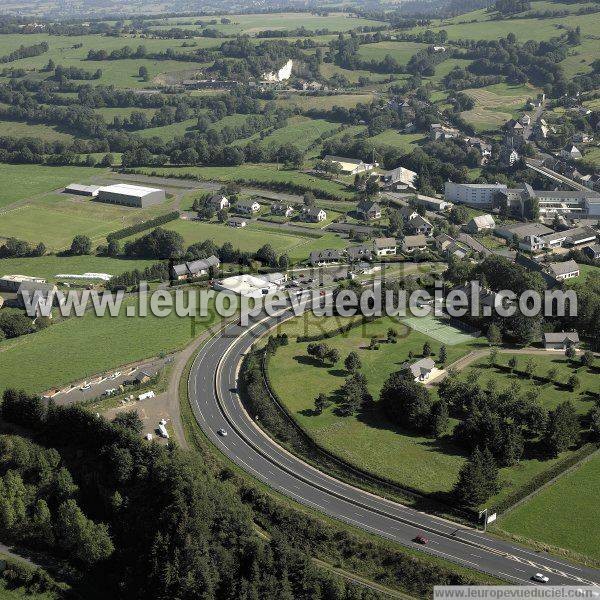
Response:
column 218, row 202
column 592, row 252
column 513, row 126
column 480, row 223
column 509, row 156
column 282, row 209
column 421, row 369
column 368, row 210
column 237, row 222
column 561, row 340
column 399, row 178
column 247, row 207
column 437, row 131
column 582, row 138
column 194, row 268
column 563, row 270
column 525, row 120
column 419, row 224
column 324, row 257
column 350, row 166
column 473, row 244
column 313, row 214
column 384, row 246
column 410, row 243
column 359, row 253
column 571, row 152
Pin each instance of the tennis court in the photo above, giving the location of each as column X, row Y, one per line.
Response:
column 439, row 329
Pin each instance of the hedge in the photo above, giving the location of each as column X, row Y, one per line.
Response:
column 534, row 484
column 151, row 224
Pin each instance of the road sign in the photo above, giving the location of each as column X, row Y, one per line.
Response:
column 492, row 518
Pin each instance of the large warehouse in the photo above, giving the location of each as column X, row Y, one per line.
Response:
column 131, row 195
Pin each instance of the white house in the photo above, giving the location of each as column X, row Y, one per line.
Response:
column 421, row 369
column 247, row 207
column 218, row 202
column 384, row 246
column 237, row 222
column 314, row 214
column 480, row 223
column 563, row 270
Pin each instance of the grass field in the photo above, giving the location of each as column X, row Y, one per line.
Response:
column 81, row 346
column 25, row 181
column 56, row 218
column 306, row 101
column 401, row 51
column 300, row 131
column 548, row 516
column 496, row 104
column 51, row 265
column 47, row 133
column 405, row 141
column 264, row 173
column 407, row 458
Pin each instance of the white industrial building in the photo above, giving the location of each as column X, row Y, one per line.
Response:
column 249, row 286
column 131, row 195
column 82, row 190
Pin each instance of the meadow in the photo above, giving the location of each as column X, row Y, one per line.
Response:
column 56, row 218
column 407, row 458
column 87, row 345
column 401, row 51
column 25, row 181
column 544, row 518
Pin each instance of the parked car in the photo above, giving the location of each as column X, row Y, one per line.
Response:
column 540, row 577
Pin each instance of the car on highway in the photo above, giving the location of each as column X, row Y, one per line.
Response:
column 115, row 375
column 222, row 432
column 421, row 539
column 540, row 577
column 87, row 386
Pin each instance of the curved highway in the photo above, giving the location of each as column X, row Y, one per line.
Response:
column 216, row 405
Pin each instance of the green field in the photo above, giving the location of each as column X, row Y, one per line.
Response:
column 56, row 218
column 401, row 51
column 548, row 517
column 301, row 132
column 407, row 458
column 78, row 347
column 496, row 104
column 405, row 141
column 325, row 102
column 51, row 265
column 262, row 173
column 25, row 181
column 47, row 133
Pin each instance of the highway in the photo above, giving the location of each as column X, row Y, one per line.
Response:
column 215, row 402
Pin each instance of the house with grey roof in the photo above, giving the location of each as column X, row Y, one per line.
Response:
column 282, row 209
column 480, row 223
column 410, row 243
column 561, row 340
column 368, row 210
column 218, row 202
column 563, row 270
column 247, row 207
column 419, row 225
column 384, row 246
column 194, row 268
column 324, row 257
column 359, row 253
column 592, row 252
column 313, row 214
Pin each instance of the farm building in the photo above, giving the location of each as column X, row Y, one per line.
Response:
column 11, row 283
column 480, row 223
column 194, row 268
column 248, row 286
column 82, row 190
column 131, row 195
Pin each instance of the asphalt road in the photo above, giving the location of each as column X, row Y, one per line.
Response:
column 216, row 405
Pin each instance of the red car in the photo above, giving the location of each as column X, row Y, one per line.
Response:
column 421, row 539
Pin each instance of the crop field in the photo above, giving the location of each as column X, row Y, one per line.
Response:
column 496, row 104
column 88, row 345
column 301, row 131
column 25, row 181
column 524, row 29
column 544, row 518
column 308, row 101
